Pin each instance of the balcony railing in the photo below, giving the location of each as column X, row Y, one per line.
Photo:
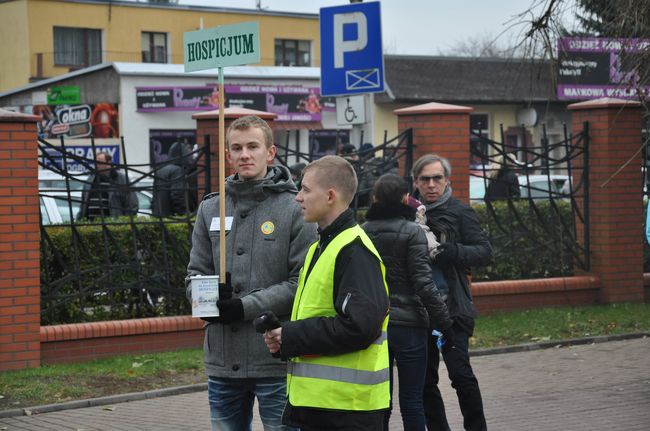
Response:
column 45, row 66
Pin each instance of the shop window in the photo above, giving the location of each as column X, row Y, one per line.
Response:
column 154, row 47
column 479, row 127
column 77, row 47
column 292, row 52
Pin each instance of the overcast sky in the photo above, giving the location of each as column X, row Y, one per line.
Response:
column 425, row 27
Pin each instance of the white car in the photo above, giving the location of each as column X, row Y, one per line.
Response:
column 537, row 186
column 58, row 206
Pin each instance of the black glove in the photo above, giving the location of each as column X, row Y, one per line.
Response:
column 449, row 338
column 230, row 310
column 448, row 253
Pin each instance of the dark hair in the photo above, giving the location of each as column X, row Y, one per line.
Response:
column 389, row 189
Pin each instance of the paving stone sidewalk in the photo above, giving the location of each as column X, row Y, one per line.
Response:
column 603, row 386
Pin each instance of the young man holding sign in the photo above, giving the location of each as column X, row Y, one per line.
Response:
column 266, row 243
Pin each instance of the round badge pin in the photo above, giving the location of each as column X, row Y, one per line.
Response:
column 268, row 227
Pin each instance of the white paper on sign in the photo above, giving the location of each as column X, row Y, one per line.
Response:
column 215, row 224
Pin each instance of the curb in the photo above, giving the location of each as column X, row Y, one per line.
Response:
column 102, row 401
column 178, row 390
column 557, row 344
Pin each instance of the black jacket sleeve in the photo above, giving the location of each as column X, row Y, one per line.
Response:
column 361, row 304
column 474, row 248
column 419, row 268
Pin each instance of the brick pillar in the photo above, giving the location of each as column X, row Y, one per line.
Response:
column 207, row 123
column 20, row 292
column 444, row 130
column 615, row 208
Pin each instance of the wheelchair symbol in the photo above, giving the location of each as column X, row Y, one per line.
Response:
column 350, row 115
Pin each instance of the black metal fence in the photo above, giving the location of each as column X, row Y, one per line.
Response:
column 370, row 162
column 134, row 265
column 112, row 267
column 534, row 201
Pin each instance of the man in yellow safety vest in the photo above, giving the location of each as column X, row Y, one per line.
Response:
column 335, row 343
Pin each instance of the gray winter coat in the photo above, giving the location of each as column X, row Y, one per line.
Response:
column 266, row 248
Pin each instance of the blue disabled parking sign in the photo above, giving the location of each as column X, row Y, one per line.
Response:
column 352, row 61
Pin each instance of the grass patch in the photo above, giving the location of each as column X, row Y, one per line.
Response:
column 131, row 373
column 128, row 373
column 549, row 324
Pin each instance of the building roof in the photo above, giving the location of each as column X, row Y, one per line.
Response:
column 418, row 79
column 214, row 9
column 159, row 69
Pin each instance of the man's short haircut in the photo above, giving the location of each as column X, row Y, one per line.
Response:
column 427, row 160
column 245, row 123
column 107, row 156
column 334, row 172
column 390, row 189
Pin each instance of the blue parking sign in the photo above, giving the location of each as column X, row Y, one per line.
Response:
column 352, row 61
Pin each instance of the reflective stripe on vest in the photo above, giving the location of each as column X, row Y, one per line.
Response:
column 357, row 380
column 338, row 374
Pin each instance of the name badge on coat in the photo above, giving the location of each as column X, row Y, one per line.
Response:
column 215, row 224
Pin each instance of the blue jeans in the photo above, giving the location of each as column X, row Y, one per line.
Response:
column 231, row 403
column 463, row 381
column 408, row 347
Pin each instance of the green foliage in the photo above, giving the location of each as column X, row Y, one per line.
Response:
column 113, row 271
column 528, row 240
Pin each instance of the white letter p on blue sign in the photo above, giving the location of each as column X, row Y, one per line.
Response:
column 342, row 46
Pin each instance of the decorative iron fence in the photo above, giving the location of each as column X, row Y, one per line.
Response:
column 534, row 201
column 112, row 267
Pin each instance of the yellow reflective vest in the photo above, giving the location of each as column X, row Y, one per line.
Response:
column 357, row 380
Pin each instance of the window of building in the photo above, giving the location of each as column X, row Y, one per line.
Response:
column 292, row 52
column 154, row 47
column 80, row 47
column 478, row 146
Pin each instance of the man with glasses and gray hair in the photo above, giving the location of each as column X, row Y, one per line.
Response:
column 463, row 245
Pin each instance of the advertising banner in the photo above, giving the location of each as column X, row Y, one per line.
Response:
column 63, row 95
column 591, row 68
column 291, row 103
column 76, row 121
column 53, row 156
column 155, row 99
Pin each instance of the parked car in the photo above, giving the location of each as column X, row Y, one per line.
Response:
column 59, row 206
column 535, row 186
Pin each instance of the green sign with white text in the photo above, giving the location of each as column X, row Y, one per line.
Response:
column 63, row 95
column 227, row 45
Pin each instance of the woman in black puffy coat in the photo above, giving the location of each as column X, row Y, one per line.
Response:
column 415, row 303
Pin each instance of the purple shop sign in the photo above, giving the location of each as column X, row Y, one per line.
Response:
column 598, row 44
column 157, row 99
column 591, row 68
column 290, row 103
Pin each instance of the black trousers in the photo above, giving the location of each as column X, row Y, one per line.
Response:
column 462, row 380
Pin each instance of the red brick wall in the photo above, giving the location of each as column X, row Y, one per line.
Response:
column 20, row 244
column 85, row 341
column 615, row 203
column 444, row 130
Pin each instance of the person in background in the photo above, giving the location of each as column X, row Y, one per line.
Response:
column 338, row 371
column 503, row 184
column 172, row 193
column 266, row 243
column 107, row 193
column 463, row 244
column 416, row 306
